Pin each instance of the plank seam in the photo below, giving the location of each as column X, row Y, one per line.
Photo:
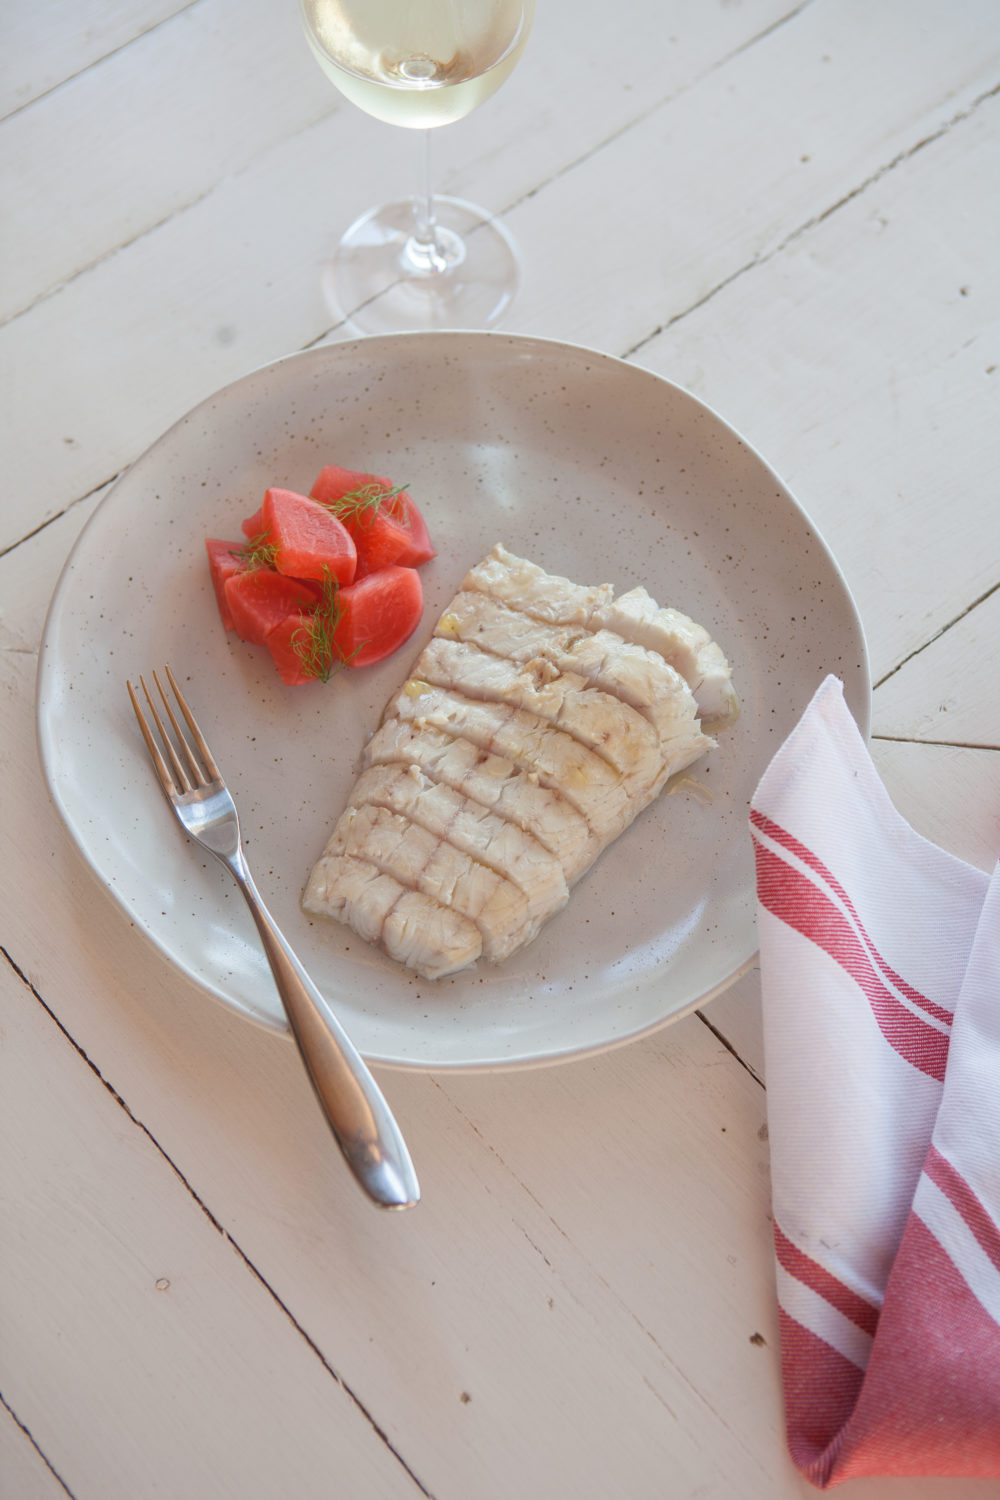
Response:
column 96, row 62
column 28, row 1434
column 900, row 159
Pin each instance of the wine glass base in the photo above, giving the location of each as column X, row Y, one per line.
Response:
column 380, row 281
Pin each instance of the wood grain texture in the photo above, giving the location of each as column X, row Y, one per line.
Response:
column 147, row 131
column 36, row 57
column 679, row 241
column 938, row 695
column 117, row 1280
column 23, row 1468
column 869, row 406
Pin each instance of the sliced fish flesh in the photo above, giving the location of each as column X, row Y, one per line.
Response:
column 537, row 723
column 492, row 780
column 409, row 925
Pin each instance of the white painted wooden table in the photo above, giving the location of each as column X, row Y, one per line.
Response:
column 792, row 211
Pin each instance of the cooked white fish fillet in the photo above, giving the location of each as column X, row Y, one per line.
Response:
column 504, row 847
column 413, row 928
column 423, row 861
column 492, row 780
column 524, row 585
column 609, row 727
column 591, row 784
column 634, row 617
column 537, row 723
column 640, row 677
column 686, row 646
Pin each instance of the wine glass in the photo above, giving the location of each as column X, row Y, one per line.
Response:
column 424, row 262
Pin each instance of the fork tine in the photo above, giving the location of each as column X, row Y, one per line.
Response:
column 159, row 764
column 197, row 775
column 177, row 777
column 181, row 778
column 192, row 723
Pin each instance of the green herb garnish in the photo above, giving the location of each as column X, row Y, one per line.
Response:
column 315, row 644
column 361, row 504
column 259, row 552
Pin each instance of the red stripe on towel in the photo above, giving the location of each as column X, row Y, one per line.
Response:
column 817, row 1278
column 954, row 1186
column 788, row 840
column 821, row 1390
column 791, row 897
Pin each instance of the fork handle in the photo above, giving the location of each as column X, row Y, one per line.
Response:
column 352, row 1101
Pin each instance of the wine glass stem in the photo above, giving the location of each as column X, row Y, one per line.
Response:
column 425, row 199
column 430, row 251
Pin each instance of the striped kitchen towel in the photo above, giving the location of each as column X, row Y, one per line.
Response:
column 880, row 969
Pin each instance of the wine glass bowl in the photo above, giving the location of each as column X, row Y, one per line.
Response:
column 424, row 262
column 420, row 63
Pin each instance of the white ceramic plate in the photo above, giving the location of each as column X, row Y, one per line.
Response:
column 593, row 468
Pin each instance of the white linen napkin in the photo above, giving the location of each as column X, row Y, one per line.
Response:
column 880, row 970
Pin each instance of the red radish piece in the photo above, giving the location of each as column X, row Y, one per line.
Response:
column 384, row 522
column 325, row 580
column 224, row 561
column 253, row 526
column 307, row 541
column 258, row 599
column 299, row 658
column 377, row 614
column 354, row 627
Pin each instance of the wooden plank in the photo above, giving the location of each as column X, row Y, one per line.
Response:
column 652, row 233
column 568, row 99
column 939, row 694
column 736, row 1017
column 867, row 409
column 75, row 419
column 23, row 1471
column 121, row 1297
column 146, row 132
column 492, row 1336
column 38, row 51
column 949, row 794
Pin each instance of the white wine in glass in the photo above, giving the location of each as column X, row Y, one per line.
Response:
column 425, row 262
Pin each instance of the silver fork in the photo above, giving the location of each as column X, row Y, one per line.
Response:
column 353, row 1104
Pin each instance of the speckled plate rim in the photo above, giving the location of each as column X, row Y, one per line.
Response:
column 542, row 438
